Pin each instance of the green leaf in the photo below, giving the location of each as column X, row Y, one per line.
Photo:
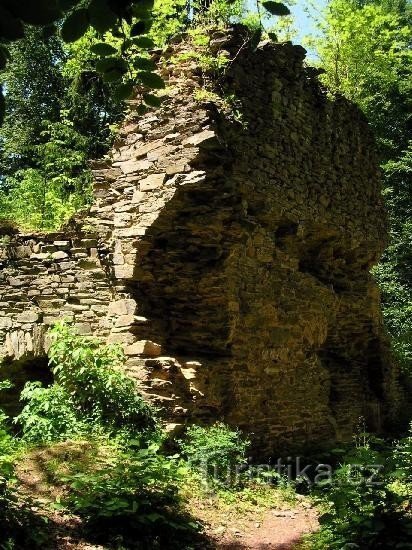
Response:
column 58, row 506
column 273, row 36
column 103, row 49
column 276, row 8
column 152, row 100
column 123, row 91
column 11, row 28
column 154, row 516
column 111, row 63
column 151, row 80
column 144, row 64
column 125, row 45
column 112, row 75
column 75, row 26
column 141, row 12
column 102, row 18
column 144, row 42
column 325, row 518
column 141, row 27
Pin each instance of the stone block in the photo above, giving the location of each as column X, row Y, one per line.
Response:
column 154, row 181
column 200, row 139
column 133, row 166
column 123, row 271
column 175, row 169
column 28, row 317
column 122, row 307
column 146, row 348
column 5, row 323
column 59, row 255
column 83, row 329
column 124, row 320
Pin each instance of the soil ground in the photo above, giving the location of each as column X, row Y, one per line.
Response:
column 266, row 519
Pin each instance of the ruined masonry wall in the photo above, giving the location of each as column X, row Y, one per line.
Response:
column 229, row 255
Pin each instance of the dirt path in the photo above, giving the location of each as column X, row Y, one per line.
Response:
column 276, row 530
column 262, row 519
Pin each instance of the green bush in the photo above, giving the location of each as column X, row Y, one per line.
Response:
column 90, row 393
column 18, row 527
column 364, row 511
column 130, row 484
column 48, row 415
column 402, row 468
column 216, row 451
column 7, row 443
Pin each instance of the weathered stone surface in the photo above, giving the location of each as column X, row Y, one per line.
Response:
column 144, row 347
column 122, row 307
column 144, row 149
column 153, row 181
column 27, row 317
column 242, row 250
column 59, row 255
column 199, row 139
column 134, row 166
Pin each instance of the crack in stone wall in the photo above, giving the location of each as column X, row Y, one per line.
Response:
column 230, row 257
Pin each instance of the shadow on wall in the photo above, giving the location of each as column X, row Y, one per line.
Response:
column 180, row 281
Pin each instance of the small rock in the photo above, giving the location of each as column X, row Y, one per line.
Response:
column 59, row 255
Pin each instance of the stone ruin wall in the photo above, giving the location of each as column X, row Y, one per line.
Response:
column 229, row 255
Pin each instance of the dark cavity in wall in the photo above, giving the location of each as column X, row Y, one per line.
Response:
column 18, row 373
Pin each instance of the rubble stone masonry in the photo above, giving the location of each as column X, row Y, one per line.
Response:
column 229, row 251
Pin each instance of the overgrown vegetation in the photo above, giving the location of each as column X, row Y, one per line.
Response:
column 367, row 501
column 218, row 453
column 65, row 92
column 100, row 453
column 58, row 116
column 99, row 450
column 366, row 52
column 100, row 445
column 365, row 49
column 90, row 394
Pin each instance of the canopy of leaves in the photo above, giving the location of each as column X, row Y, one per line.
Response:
column 366, row 51
column 58, row 114
column 124, row 18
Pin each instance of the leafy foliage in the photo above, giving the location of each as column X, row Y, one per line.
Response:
column 130, row 485
column 128, row 20
column 118, row 16
column 364, row 506
column 366, row 51
column 90, row 393
column 6, row 441
column 276, row 8
column 217, row 451
column 63, row 97
column 48, row 415
column 17, row 524
column 58, row 117
column 46, row 197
